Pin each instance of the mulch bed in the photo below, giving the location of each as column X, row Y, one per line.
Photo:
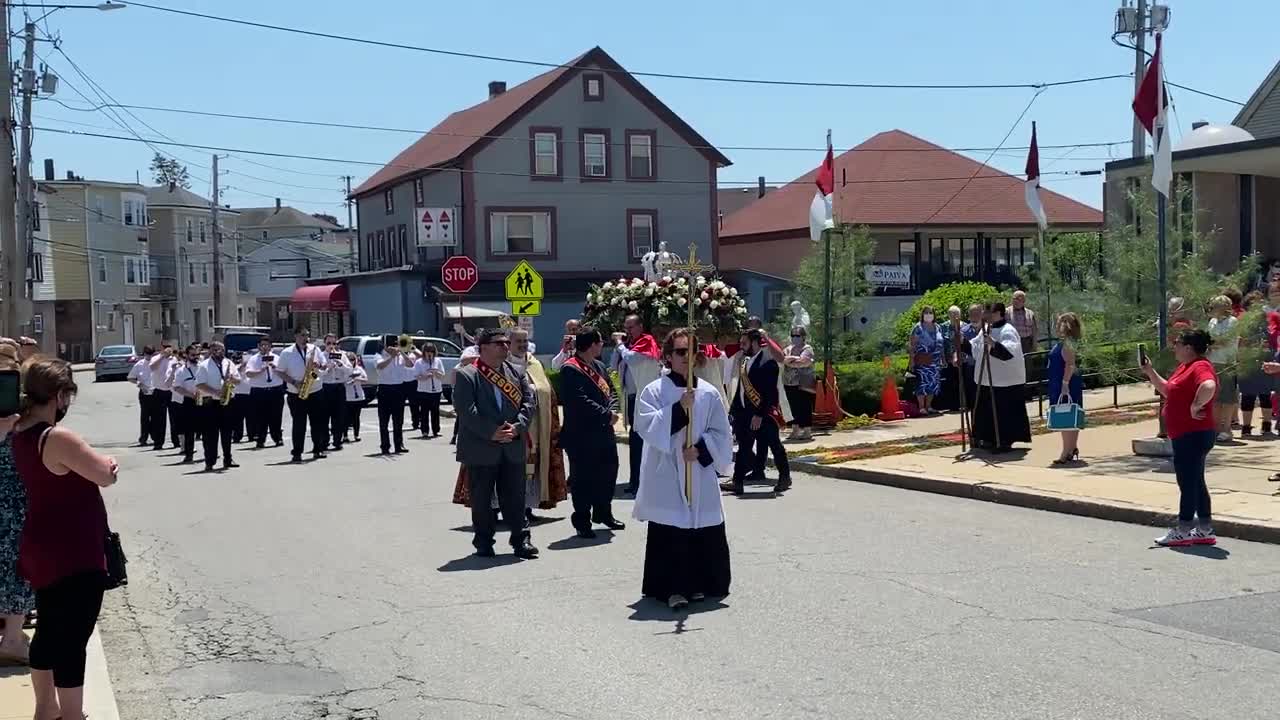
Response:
column 867, row 451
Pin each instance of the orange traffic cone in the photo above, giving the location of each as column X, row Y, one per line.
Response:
column 826, row 405
column 890, row 404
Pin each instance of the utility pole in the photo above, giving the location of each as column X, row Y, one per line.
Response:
column 26, row 199
column 217, row 250
column 1139, row 66
column 351, row 233
column 8, row 199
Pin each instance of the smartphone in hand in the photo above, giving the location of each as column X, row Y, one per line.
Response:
column 1143, row 360
column 10, row 392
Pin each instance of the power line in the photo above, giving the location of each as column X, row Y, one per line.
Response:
column 567, row 141
column 413, row 168
column 1202, row 92
column 669, row 76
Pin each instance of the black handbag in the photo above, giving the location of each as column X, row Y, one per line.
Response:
column 117, row 576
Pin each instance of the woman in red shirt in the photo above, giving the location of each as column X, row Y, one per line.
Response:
column 62, row 551
column 1188, row 419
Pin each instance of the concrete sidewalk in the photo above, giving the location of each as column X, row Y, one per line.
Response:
column 18, row 703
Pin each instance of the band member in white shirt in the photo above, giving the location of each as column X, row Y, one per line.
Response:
column 161, row 395
column 212, row 373
column 409, row 390
column 241, row 401
column 182, row 381
column 266, row 397
column 355, row 396
column 292, row 366
column 429, row 370
column 568, row 346
column 140, row 375
column 335, row 379
column 393, row 369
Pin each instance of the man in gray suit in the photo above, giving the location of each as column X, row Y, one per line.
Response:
column 494, row 404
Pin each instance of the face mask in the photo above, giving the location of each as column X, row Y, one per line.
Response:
column 928, row 318
column 60, row 413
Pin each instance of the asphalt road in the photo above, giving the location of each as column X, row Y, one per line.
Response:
column 344, row 589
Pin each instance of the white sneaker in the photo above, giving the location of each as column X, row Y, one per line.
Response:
column 1204, row 536
column 1176, row 537
column 1225, row 437
column 675, row 602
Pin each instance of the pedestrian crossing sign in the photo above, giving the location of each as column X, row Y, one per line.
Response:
column 524, row 283
column 526, row 308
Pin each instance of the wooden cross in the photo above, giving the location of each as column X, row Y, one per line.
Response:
column 691, row 268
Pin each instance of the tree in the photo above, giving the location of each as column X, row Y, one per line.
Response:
column 326, row 217
column 851, row 249
column 168, row 171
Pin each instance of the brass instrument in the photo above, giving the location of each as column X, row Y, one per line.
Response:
column 309, row 377
column 228, row 390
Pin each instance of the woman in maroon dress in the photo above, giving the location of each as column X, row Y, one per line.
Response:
column 62, row 551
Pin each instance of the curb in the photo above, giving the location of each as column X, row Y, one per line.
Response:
column 1019, row 497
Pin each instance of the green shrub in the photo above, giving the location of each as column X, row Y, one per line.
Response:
column 962, row 295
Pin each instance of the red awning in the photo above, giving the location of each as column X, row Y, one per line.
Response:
column 320, row 298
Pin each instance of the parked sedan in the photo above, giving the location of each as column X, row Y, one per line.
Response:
column 114, row 362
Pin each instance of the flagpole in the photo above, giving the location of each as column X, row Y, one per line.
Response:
column 1048, row 287
column 826, row 284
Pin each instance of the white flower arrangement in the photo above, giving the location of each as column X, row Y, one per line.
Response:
column 664, row 303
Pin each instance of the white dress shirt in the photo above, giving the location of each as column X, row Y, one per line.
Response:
column 293, row 362
column 430, row 375
column 269, row 378
column 338, row 372
column 355, row 384
column 161, row 375
column 211, row 373
column 243, row 386
column 394, row 372
column 183, row 376
column 141, row 372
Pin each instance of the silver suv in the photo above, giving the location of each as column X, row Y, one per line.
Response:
column 368, row 347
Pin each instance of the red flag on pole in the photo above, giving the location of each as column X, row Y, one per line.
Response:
column 1151, row 108
column 1033, row 182
column 820, row 209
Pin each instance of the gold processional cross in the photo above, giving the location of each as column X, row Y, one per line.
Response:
column 691, row 268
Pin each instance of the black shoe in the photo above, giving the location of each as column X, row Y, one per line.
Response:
column 356, row 439
column 279, row 443
column 737, row 487
column 208, row 467
column 630, row 490
column 337, row 447
column 318, row 454
column 386, row 451
column 402, row 450
column 586, row 533
column 613, row 524
column 295, row 459
column 228, row 464
column 158, row 448
column 485, row 552
column 782, row 485
column 259, row 445
column 526, row 550
column 187, row 460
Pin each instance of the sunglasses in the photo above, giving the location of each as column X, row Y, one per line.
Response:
column 496, row 342
column 680, row 352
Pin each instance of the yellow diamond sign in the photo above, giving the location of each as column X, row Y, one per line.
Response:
column 524, row 283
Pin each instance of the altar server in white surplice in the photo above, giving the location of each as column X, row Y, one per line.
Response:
column 686, row 551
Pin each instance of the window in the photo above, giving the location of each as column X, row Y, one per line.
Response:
column 642, row 232
column 166, row 317
column 389, row 201
column 204, row 273
column 102, row 268
column 641, row 164
column 128, row 212
column 404, row 246
column 242, row 277
column 203, row 238
column 380, row 256
column 97, row 208
column 240, row 314
column 36, row 271
column 35, row 216
column 593, row 87
column 130, row 274
column 418, row 198
column 773, row 302
column 191, row 272
column 544, row 151
column 264, row 236
column 907, row 253
column 521, row 232
column 210, row 313
column 111, row 319
column 146, row 318
column 190, row 235
column 595, row 154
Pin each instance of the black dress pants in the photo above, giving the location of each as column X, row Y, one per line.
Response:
column 145, row 408
column 267, row 415
column 160, row 409
column 507, row 479
column 335, row 405
column 593, row 472
column 409, row 391
column 241, row 414
column 429, row 412
column 216, row 430
column 391, row 417
column 635, row 443
column 308, row 413
column 353, row 417
column 175, row 418
column 185, row 420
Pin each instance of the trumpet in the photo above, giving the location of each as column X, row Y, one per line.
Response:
column 228, row 390
column 309, row 377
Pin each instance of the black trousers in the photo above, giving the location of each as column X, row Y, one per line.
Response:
column 754, row 447
column 635, row 443
column 507, row 479
column 68, row 610
column 304, row 413
column 241, row 412
column 160, row 409
column 184, row 424
column 175, row 419
column 145, row 408
column 267, row 414
column 593, row 471
column 335, row 406
column 391, row 419
column 216, row 430
column 801, row 405
column 353, row 417
column 409, row 391
column 429, row 407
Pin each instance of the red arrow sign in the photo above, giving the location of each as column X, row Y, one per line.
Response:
column 459, row 274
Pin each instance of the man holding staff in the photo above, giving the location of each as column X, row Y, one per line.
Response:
column 999, row 404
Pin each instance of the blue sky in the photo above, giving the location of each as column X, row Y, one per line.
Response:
column 145, row 57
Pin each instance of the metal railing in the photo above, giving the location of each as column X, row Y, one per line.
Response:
column 1116, row 370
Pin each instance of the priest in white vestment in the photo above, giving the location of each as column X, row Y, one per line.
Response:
column 686, row 551
column 1000, row 373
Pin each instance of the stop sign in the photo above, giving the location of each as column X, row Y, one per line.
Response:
column 459, row 274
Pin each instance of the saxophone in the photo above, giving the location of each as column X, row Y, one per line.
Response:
column 228, row 390
column 309, row 377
